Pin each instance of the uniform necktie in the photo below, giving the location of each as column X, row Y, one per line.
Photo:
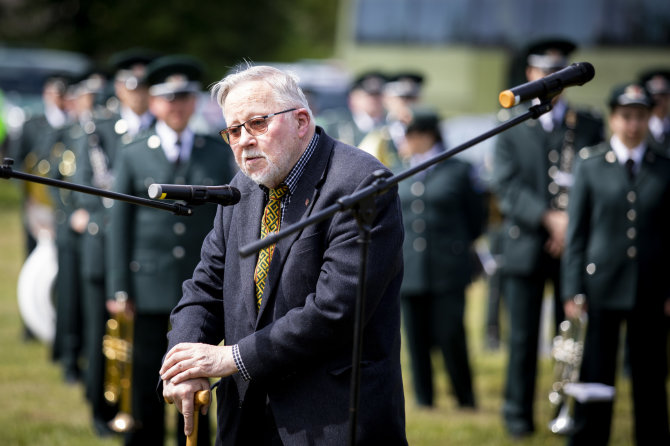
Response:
column 630, row 166
column 178, row 148
column 269, row 224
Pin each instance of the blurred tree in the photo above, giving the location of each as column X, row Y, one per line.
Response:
column 221, row 34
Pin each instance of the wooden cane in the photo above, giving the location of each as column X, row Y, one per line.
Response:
column 202, row 398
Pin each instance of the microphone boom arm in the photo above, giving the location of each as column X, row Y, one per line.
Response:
column 7, row 172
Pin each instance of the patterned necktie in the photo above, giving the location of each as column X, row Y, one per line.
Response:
column 269, row 224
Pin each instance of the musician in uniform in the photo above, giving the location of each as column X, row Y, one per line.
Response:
column 443, row 214
column 106, row 134
column 151, row 252
column 82, row 96
column 617, row 258
column 531, row 176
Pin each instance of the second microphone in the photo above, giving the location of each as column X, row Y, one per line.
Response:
column 223, row 195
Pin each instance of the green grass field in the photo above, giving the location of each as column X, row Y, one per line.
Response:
column 39, row 409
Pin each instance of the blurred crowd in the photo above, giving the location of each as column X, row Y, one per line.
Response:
column 572, row 204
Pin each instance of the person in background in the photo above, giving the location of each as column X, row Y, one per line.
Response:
column 105, row 133
column 657, row 83
column 443, row 214
column 365, row 111
column 532, row 171
column 616, row 258
column 401, row 93
column 150, row 251
column 287, row 314
column 69, row 338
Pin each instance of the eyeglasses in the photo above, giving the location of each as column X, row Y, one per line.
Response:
column 255, row 126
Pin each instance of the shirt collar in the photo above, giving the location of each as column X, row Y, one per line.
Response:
column 623, row 153
column 169, row 140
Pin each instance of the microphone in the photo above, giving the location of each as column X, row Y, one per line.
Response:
column 549, row 86
column 223, row 195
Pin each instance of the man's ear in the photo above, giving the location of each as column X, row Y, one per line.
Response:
column 304, row 120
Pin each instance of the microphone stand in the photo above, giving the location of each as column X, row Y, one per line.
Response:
column 362, row 205
column 7, row 172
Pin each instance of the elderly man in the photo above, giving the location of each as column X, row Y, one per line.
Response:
column 287, row 315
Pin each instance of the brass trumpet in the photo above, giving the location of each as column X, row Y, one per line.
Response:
column 117, row 346
column 567, row 351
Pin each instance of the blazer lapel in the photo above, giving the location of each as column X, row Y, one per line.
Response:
column 300, row 206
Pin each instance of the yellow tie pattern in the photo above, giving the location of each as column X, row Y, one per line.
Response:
column 269, row 224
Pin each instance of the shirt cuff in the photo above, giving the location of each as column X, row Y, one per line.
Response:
column 240, row 365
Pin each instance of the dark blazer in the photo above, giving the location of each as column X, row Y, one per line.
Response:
column 298, row 346
column 523, row 158
column 152, row 251
column 618, row 238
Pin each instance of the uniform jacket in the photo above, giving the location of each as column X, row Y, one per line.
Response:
column 152, row 251
column 618, row 239
column 524, row 158
column 443, row 214
column 105, row 137
column 298, row 346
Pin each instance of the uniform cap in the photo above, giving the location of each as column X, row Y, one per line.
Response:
column 372, row 82
column 656, row 81
column 549, row 54
column 130, row 65
column 630, row 94
column 169, row 75
column 404, row 85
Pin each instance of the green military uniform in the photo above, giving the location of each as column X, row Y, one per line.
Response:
column 107, row 135
column 442, row 215
column 526, row 163
column 531, row 175
column 617, row 257
column 151, row 252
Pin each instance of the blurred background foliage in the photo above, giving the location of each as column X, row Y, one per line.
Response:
column 221, row 34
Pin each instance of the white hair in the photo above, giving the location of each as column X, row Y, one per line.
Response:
column 284, row 85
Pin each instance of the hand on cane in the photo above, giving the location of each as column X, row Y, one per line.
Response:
column 189, row 403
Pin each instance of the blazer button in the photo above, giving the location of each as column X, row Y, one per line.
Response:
column 631, row 233
column 631, row 197
column 631, row 252
column 134, row 266
column 631, row 215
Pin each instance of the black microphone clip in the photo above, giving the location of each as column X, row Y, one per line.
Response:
column 223, row 195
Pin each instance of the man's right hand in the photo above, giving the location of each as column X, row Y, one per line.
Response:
column 183, row 397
